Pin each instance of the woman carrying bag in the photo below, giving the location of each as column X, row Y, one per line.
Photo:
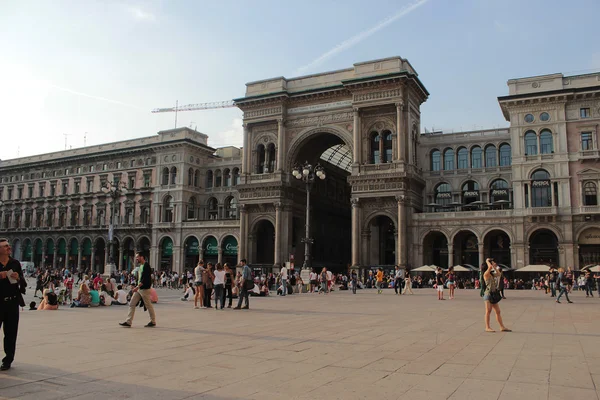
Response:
column 492, row 296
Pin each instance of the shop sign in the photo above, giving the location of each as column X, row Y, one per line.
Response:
column 472, row 193
column 230, row 246
column 444, row 195
column 167, row 247
column 544, row 183
column 193, row 248
column 499, row 192
column 590, row 236
column 211, row 247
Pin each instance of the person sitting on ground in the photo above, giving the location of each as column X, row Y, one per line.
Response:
column 264, row 290
column 189, row 292
column 105, row 298
column 49, row 301
column 32, row 306
column 84, row 298
column 120, row 296
column 95, row 295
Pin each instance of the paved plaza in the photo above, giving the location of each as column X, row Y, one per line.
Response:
column 339, row 346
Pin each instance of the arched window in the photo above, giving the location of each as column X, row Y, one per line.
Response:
column 476, row 157
column 541, row 193
column 448, row 160
column 271, row 157
column 443, row 194
column 213, row 208
column 505, row 155
column 590, row 194
column 231, row 208
column 218, row 178
column 546, row 145
column 531, row 143
column 100, row 218
column 463, row 158
column 190, row 177
column 375, row 159
column 260, row 159
column 144, row 215
column 470, row 192
column 191, row 209
column 129, row 216
column 436, row 160
column 490, row 156
column 499, row 191
column 227, row 177
column 165, row 176
column 168, row 207
column 236, row 176
column 387, row 146
column 196, row 178
column 209, row 178
column 173, row 175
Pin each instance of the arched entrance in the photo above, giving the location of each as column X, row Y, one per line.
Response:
column 497, row 245
column 264, row 250
column 166, row 254
column 543, row 248
column 330, row 210
column 382, row 241
column 128, row 254
column 38, row 252
column 466, row 248
column 86, row 254
column 117, row 253
column 99, row 256
column 61, row 253
column 211, row 249
column 27, row 250
column 230, row 250
column 73, row 255
column 435, row 249
column 191, row 248
column 144, row 246
column 49, row 261
column 589, row 247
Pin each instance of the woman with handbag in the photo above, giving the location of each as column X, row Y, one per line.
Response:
column 492, row 296
column 207, row 280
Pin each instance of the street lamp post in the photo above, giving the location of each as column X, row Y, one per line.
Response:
column 308, row 174
column 114, row 190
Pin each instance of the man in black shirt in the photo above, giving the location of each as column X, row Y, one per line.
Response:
column 12, row 288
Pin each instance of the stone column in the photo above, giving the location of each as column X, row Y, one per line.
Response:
column 481, row 254
column 93, row 260
column 242, row 249
column 400, row 134
column 79, row 255
column 552, row 195
column 356, row 137
column 278, row 233
column 44, row 249
column 121, row 252
column 355, row 232
column 246, row 153
column 55, row 259
column 267, row 160
column 410, row 140
column 220, row 255
column 107, row 254
column 402, row 248
column 450, row 256
column 280, row 144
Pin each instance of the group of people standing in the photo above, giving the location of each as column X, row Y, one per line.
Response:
column 221, row 279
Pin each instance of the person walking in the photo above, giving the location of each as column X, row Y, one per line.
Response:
column 12, row 289
column 407, row 282
column 439, row 282
column 284, row 277
column 228, row 286
column 245, row 282
column 199, row 295
column 323, row 279
column 552, row 281
column 379, row 280
column 589, row 284
column 398, row 281
column 354, row 278
column 207, row 280
column 141, row 292
column 564, row 282
column 492, row 296
column 451, row 279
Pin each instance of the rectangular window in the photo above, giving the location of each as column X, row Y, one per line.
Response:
column 49, row 218
column 584, row 112
column 147, row 180
column 119, row 165
column 42, row 190
column 67, row 171
column 526, row 196
column 556, row 194
column 19, row 193
column 92, row 168
column 586, row 141
column 77, row 187
column 10, row 191
column 78, row 170
column 65, row 188
column 132, row 163
column 104, row 166
column 90, row 186
column 53, row 189
column 1, row 193
column 131, row 182
column 30, row 192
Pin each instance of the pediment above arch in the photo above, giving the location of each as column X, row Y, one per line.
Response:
column 589, row 171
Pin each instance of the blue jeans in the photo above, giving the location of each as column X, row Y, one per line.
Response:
column 563, row 290
column 553, row 289
column 588, row 290
column 283, row 287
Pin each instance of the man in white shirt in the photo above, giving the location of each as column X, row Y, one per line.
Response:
column 284, row 277
column 120, row 296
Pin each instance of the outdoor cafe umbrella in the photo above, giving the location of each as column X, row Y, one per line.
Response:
column 591, row 268
column 460, row 268
column 533, row 268
column 424, row 268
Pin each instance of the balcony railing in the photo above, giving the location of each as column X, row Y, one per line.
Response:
column 542, row 211
column 589, row 210
column 463, row 214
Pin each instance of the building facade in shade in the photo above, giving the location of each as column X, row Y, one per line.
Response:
column 526, row 194
column 181, row 203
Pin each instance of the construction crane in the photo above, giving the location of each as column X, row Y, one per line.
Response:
column 195, row 107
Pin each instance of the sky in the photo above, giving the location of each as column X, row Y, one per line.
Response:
column 90, row 72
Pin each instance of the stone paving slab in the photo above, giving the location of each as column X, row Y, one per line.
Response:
column 338, row 346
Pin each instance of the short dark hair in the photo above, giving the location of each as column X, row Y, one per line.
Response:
column 140, row 255
column 243, row 260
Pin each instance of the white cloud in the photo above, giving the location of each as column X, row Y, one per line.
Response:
column 138, row 14
column 354, row 40
column 234, row 136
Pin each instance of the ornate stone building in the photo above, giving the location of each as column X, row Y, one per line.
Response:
column 526, row 194
column 180, row 203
